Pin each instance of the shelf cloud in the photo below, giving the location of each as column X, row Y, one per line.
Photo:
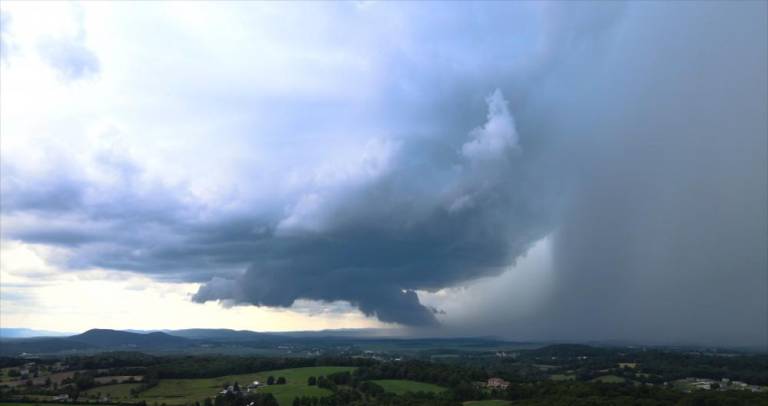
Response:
column 411, row 150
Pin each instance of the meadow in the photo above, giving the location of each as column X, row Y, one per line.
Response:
column 183, row 391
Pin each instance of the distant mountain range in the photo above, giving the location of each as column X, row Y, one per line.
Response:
column 204, row 333
column 224, row 340
column 116, row 338
column 16, row 342
column 96, row 339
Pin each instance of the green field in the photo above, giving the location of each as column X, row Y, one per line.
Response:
column 491, row 402
column 181, row 391
column 399, row 386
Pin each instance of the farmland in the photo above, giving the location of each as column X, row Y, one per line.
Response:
column 562, row 374
column 182, row 391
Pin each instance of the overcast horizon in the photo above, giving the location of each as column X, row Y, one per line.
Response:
column 537, row 171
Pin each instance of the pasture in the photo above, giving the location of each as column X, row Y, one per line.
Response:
column 182, row 391
column 400, row 386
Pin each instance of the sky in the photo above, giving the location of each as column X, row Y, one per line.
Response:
column 529, row 170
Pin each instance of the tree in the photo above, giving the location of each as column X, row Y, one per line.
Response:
column 371, row 388
column 281, row 380
column 312, row 381
column 236, row 388
column 271, row 380
column 207, row 402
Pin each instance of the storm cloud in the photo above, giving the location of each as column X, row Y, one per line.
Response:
column 430, row 150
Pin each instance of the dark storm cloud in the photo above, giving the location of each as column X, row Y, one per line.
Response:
column 665, row 237
column 662, row 138
column 637, row 138
column 402, row 224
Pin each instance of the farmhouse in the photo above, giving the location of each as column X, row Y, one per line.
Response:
column 254, row 385
column 497, row 383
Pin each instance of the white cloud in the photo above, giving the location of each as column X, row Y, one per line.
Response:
column 497, row 137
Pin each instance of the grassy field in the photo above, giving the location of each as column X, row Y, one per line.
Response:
column 562, row 377
column 399, row 386
column 492, row 402
column 180, row 391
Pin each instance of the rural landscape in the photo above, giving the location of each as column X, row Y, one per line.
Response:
column 384, row 203
column 159, row 368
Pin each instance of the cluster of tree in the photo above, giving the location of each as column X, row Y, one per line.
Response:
column 422, row 371
column 357, row 389
column 189, row 366
column 109, row 360
column 80, row 380
column 670, row 365
column 368, row 395
column 279, row 381
column 8, row 362
column 585, row 393
column 585, row 363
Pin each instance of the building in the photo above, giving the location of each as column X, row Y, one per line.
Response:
column 497, row 383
